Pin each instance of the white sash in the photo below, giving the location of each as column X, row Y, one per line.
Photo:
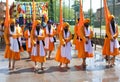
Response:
column 34, row 49
column 66, row 50
column 47, row 39
column 115, row 43
column 13, row 42
column 29, row 40
column 88, row 47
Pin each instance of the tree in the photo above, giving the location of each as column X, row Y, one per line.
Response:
column 91, row 15
column 51, row 10
column 76, row 7
column 90, row 12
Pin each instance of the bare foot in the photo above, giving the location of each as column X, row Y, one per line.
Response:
column 49, row 57
column 84, row 64
column 35, row 70
column 12, row 67
column 112, row 65
column 60, row 66
column 77, row 66
column 42, row 67
column 9, row 67
column 67, row 67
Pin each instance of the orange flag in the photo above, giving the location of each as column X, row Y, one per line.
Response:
column 106, row 12
column 61, row 18
column 81, row 22
column 34, row 14
column 7, row 16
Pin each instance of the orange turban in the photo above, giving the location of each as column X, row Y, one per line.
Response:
column 37, row 22
column 65, row 24
column 111, row 17
column 87, row 20
column 12, row 21
column 77, row 20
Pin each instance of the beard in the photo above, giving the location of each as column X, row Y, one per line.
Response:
column 113, row 26
column 12, row 28
column 30, row 29
column 66, row 30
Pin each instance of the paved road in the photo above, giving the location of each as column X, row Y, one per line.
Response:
column 96, row 71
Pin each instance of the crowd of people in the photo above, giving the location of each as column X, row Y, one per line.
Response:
column 40, row 42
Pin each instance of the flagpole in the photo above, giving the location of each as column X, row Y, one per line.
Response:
column 7, row 16
column 69, row 9
column 90, row 10
column 61, row 16
column 33, row 14
column 100, row 17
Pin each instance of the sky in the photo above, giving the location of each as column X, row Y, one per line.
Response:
column 86, row 4
column 95, row 5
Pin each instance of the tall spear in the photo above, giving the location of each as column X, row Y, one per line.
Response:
column 34, row 14
column 81, row 15
column 81, row 21
column 61, row 17
column 106, row 12
column 7, row 15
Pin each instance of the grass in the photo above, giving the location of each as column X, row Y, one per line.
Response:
column 98, row 36
column 72, row 28
column 102, row 28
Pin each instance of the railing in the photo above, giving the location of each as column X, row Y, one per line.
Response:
column 98, row 39
column 2, row 42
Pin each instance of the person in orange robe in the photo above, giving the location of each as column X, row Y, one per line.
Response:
column 111, row 44
column 7, row 48
column 12, row 51
column 27, row 34
column 85, row 50
column 76, row 38
column 63, row 54
column 49, row 38
column 38, row 51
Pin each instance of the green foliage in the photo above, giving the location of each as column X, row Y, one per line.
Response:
column 76, row 6
column 119, row 20
column 68, row 13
